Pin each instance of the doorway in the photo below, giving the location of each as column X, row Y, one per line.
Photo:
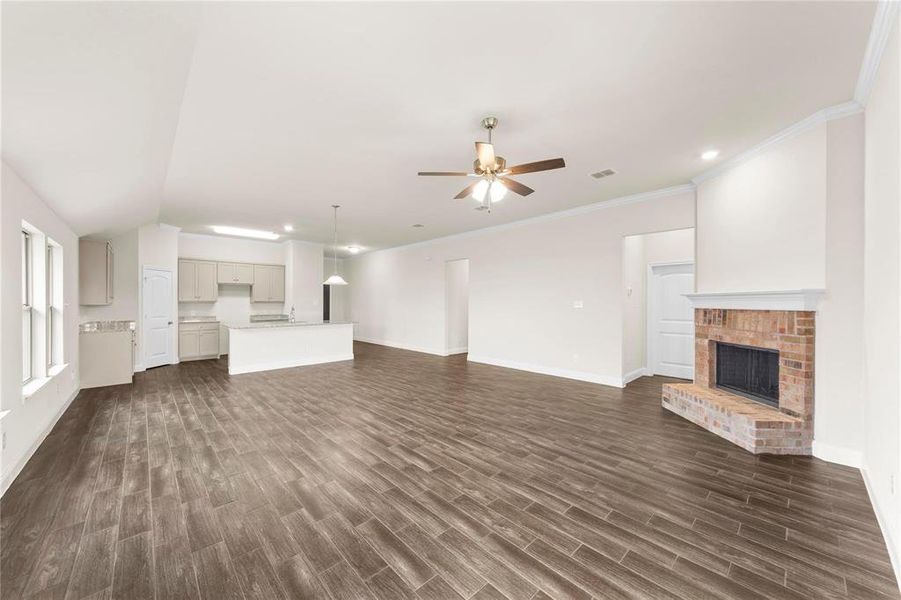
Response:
column 671, row 338
column 156, row 301
column 326, row 303
column 456, row 303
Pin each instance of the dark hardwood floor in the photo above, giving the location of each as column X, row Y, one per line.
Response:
column 402, row 475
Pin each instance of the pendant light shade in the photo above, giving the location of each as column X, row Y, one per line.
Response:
column 335, row 279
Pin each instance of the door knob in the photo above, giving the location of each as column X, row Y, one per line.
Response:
column 170, row 322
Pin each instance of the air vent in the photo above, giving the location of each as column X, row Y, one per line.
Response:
column 481, row 207
column 604, row 173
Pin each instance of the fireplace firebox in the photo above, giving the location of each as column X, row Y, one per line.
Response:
column 749, row 371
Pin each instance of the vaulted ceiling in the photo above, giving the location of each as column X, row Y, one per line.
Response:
column 262, row 114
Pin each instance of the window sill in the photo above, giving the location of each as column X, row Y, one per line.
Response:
column 32, row 387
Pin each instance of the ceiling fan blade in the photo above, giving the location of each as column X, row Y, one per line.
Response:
column 443, row 173
column 532, row 167
column 515, row 186
column 467, row 191
column 486, row 155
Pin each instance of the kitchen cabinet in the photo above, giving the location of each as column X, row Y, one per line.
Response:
column 268, row 283
column 198, row 340
column 234, row 273
column 197, row 281
column 95, row 273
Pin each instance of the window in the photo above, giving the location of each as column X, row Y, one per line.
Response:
column 54, row 304
column 27, row 311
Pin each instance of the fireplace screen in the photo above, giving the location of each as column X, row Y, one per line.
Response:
column 751, row 372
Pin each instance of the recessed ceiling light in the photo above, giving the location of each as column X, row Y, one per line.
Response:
column 289, row 227
column 418, row 225
column 353, row 249
column 240, row 231
column 710, row 154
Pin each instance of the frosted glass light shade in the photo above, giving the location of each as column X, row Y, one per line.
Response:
column 480, row 190
column 334, row 280
column 498, row 191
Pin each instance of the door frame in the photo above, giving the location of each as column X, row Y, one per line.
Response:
column 144, row 323
column 653, row 309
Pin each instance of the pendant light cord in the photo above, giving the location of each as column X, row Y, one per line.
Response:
column 335, row 246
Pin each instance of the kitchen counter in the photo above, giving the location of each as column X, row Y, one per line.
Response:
column 268, row 324
column 105, row 326
column 198, row 320
column 262, row 346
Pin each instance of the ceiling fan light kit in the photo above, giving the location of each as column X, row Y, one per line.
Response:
column 493, row 173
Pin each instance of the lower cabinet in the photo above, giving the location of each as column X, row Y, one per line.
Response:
column 198, row 340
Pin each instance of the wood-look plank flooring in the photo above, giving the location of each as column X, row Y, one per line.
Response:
column 401, row 475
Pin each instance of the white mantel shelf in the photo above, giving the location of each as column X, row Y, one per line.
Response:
column 773, row 300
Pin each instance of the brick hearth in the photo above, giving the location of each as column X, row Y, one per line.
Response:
column 787, row 429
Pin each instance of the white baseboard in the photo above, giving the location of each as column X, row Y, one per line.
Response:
column 20, row 464
column 633, row 375
column 461, row 350
column 556, row 372
column 401, row 346
column 893, row 552
column 837, row 454
column 287, row 364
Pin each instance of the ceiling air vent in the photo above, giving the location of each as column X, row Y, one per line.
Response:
column 604, row 173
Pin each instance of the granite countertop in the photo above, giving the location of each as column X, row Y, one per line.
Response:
column 269, row 324
column 106, row 326
column 200, row 319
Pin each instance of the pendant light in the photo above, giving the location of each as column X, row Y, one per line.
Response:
column 335, row 279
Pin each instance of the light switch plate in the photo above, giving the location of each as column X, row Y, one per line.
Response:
column 578, row 304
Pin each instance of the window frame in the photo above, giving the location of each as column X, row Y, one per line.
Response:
column 27, row 306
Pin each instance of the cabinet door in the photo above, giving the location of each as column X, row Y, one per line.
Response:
column 209, row 343
column 207, row 286
column 244, row 274
column 94, row 273
column 188, row 344
column 225, row 272
column 187, row 281
column 276, row 284
column 260, row 290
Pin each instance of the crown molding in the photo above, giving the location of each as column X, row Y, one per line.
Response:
column 883, row 22
column 570, row 212
column 839, row 111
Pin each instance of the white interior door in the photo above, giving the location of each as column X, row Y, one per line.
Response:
column 671, row 320
column 158, row 317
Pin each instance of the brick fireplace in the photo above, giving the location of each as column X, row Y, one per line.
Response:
column 756, row 423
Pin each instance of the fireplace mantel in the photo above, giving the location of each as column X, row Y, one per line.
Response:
column 772, row 300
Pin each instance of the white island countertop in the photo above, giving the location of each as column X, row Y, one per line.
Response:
column 270, row 324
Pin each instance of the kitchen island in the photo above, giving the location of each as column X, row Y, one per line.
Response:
column 263, row 346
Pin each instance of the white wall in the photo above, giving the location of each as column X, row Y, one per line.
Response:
column 762, row 225
column 881, row 295
column 303, row 279
column 29, row 420
column 523, row 282
column 457, row 305
column 158, row 247
column 639, row 252
column 125, row 283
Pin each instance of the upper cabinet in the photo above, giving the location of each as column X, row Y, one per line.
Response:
column 238, row 273
column 197, row 281
column 268, row 283
column 95, row 273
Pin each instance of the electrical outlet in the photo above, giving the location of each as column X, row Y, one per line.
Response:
column 3, row 445
column 578, row 304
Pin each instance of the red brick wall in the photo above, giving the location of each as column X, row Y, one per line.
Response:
column 790, row 332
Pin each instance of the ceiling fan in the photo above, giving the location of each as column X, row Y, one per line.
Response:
column 493, row 172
